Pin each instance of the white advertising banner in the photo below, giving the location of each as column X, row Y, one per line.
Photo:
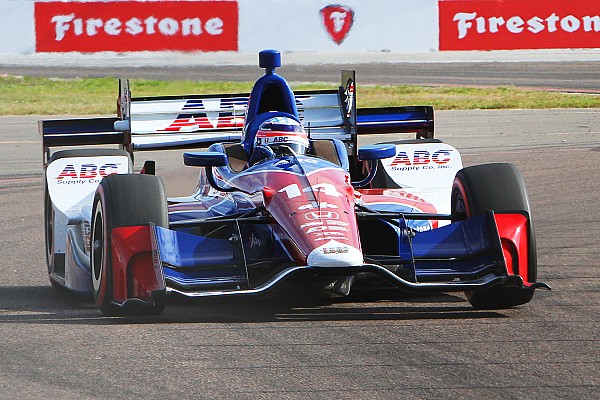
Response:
column 17, row 32
column 347, row 26
column 243, row 26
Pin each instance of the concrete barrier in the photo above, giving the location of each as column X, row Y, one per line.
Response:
column 17, row 32
column 318, row 27
column 243, row 26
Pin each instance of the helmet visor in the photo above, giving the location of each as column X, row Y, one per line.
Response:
column 283, row 142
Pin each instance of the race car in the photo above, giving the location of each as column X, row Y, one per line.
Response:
column 285, row 196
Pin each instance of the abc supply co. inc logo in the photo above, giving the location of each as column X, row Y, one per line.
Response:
column 422, row 160
column 136, row 26
column 73, row 174
column 337, row 20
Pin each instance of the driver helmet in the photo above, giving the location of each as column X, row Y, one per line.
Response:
column 282, row 134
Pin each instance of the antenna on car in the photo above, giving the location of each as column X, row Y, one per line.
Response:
column 269, row 60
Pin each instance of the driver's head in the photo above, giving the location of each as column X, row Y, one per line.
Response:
column 282, row 134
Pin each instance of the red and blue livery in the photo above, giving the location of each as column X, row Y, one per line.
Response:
column 286, row 194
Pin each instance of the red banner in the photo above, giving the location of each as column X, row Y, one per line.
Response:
column 136, row 26
column 518, row 24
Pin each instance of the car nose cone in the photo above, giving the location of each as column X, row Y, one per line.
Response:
column 335, row 254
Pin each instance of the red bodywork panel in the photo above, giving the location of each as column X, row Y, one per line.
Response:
column 514, row 235
column 312, row 210
column 134, row 274
column 398, row 196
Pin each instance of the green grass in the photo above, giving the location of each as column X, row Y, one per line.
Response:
column 44, row 96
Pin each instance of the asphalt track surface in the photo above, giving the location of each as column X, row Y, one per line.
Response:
column 562, row 76
column 369, row 345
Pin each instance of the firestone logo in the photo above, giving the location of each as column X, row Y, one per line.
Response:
column 515, row 24
column 64, row 24
column 337, row 20
column 518, row 24
column 93, row 26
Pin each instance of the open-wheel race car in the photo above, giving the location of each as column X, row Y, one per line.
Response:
column 284, row 195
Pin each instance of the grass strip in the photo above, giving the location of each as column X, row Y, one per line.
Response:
column 97, row 96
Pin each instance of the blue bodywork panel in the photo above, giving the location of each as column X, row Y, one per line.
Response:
column 463, row 249
column 184, row 250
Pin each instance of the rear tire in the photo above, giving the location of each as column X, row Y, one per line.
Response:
column 497, row 187
column 122, row 200
column 56, row 262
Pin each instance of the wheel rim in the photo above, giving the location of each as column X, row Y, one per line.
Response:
column 460, row 207
column 97, row 248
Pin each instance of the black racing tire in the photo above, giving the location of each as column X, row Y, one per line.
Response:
column 123, row 200
column 91, row 152
column 56, row 263
column 496, row 187
column 51, row 259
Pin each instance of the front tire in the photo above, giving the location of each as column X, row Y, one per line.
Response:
column 122, row 200
column 497, row 187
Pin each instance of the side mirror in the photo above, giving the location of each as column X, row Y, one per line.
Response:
column 208, row 159
column 205, row 159
column 376, row 152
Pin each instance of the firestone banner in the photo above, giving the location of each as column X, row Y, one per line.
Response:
column 136, row 26
column 518, row 24
column 319, row 26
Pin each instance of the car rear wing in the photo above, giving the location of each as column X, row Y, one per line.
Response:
column 411, row 119
column 147, row 123
column 79, row 132
column 87, row 131
column 157, row 122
